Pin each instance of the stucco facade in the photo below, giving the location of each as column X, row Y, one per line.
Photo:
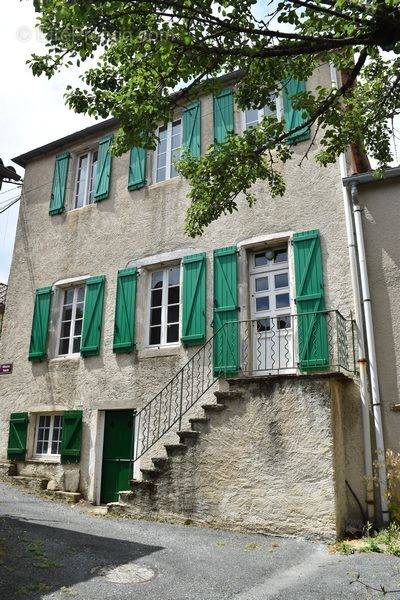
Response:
column 145, row 228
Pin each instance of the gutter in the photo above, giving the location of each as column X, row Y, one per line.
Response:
column 361, row 347
column 363, row 178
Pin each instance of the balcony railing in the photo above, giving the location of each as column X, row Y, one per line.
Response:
column 321, row 341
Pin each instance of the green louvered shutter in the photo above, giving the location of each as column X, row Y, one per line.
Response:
column 40, row 324
column 194, row 300
column 223, row 115
column 59, row 187
column 294, row 118
column 137, row 168
column 93, row 316
column 124, row 324
column 226, row 340
column 312, row 324
column 71, row 436
column 103, row 172
column 16, row 448
column 192, row 128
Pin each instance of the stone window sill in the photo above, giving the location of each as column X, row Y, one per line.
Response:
column 167, row 182
column 159, row 352
column 70, row 359
column 49, row 461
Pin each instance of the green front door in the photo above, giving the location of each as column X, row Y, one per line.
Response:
column 118, row 442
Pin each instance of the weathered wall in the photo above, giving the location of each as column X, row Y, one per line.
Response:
column 271, row 461
column 104, row 237
column 381, row 222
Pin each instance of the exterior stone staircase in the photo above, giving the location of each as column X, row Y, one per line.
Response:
column 146, row 494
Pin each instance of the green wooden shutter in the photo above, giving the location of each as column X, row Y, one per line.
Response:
column 226, row 355
column 59, row 187
column 71, row 436
column 16, row 448
column 223, row 115
column 92, row 316
column 124, row 324
column 192, row 128
column 194, row 300
column 40, row 324
column 312, row 325
column 137, row 168
column 294, row 118
column 103, row 172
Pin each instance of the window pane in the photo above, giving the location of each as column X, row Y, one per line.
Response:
column 270, row 108
column 78, row 327
column 281, row 280
column 162, row 160
column 64, row 345
column 175, row 155
column 81, row 293
column 155, row 335
column 173, row 276
column 155, row 316
column 260, row 259
column 65, row 329
column 156, row 297
column 281, row 255
column 79, row 311
column 69, row 296
column 176, row 134
column 81, row 181
column 161, row 174
column 76, row 345
column 156, row 279
column 173, row 314
column 261, row 284
column 172, row 333
column 93, row 172
column 284, row 322
column 173, row 295
column 251, row 117
column 263, row 325
column 282, row 300
column 67, row 313
column 262, row 303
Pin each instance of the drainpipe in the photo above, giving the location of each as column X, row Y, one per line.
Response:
column 373, row 365
column 361, row 352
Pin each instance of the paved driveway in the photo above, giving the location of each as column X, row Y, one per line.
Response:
column 54, row 551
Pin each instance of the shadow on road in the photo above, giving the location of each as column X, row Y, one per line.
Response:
column 36, row 559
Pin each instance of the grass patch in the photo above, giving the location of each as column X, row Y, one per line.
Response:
column 386, row 541
column 252, row 546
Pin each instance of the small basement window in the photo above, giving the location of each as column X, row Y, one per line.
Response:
column 86, row 168
column 48, row 436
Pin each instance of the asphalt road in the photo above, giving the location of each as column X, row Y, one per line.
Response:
column 52, row 551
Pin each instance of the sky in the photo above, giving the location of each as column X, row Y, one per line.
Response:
column 32, row 109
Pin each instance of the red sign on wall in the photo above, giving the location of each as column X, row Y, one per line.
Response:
column 6, row 368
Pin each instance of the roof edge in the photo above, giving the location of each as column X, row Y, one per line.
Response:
column 366, row 178
column 23, row 159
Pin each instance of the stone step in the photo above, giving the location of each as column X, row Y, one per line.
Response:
column 68, row 497
column 213, row 407
column 36, row 484
column 160, row 462
column 224, row 396
column 141, row 485
column 188, row 436
column 198, row 423
column 117, row 508
column 124, row 497
column 175, row 449
column 8, row 469
column 150, row 474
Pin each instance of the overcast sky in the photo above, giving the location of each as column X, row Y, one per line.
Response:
column 32, row 110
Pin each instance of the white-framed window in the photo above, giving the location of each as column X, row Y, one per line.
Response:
column 71, row 320
column 86, row 167
column 164, row 309
column 253, row 116
column 48, row 436
column 168, row 150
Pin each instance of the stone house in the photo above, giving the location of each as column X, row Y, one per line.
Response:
column 219, row 371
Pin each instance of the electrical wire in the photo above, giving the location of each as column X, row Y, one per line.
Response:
column 14, row 201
